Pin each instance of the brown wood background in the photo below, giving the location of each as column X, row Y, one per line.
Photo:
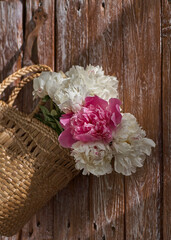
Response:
column 132, row 40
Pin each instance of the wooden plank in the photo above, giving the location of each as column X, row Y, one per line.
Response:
column 11, row 44
column 11, row 38
column 71, row 34
column 105, row 49
column 97, row 212
column 166, row 106
column 142, row 94
column 43, row 50
column 71, row 206
column 41, row 225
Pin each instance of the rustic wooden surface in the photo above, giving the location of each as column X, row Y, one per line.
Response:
column 132, row 40
column 41, row 225
column 106, row 49
column 71, row 206
column 166, row 120
column 142, row 97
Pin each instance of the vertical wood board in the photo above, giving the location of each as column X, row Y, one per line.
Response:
column 11, row 37
column 106, row 49
column 41, row 225
column 142, row 97
column 11, row 46
column 71, row 205
column 166, row 109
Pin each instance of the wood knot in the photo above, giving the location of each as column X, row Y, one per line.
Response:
column 40, row 16
column 31, row 52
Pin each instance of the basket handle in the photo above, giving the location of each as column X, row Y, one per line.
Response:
column 33, row 70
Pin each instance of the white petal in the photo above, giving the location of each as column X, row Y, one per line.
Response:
column 89, row 161
column 130, row 146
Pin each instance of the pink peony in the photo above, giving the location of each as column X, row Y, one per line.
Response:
column 96, row 121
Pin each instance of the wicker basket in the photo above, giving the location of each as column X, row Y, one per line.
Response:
column 33, row 167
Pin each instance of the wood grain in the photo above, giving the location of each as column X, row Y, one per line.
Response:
column 166, row 106
column 11, row 45
column 71, row 34
column 41, row 225
column 105, row 49
column 11, row 37
column 71, row 205
column 142, row 97
column 127, row 38
column 43, row 50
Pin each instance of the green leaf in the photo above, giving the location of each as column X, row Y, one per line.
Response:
column 55, row 127
column 57, row 109
column 59, row 125
column 45, row 112
column 54, row 112
column 50, row 118
column 46, row 98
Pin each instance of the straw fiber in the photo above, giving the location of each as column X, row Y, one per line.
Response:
column 33, row 167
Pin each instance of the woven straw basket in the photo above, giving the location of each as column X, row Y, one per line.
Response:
column 33, row 167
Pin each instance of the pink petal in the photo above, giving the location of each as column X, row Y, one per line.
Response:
column 65, row 119
column 113, row 102
column 114, row 108
column 66, row 139
column 113, row 118
column 96, row 101
column 85, row 137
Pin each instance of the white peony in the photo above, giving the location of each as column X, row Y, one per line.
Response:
column 39, row 85
column 47, row 84
column 95, row 81
column 70, row 92
column 130, row 146
column 101, row 85
column 93, row 158
column 70, row 95
column 52, row 85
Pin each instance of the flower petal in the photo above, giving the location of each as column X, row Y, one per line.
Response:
column 66, row 139
column 65, row 119
column 130, row 146
column 96, row 101
column 92, row 158
column 114, row 106
column 86, row 137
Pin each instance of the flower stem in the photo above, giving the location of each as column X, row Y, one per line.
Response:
column 51, row 104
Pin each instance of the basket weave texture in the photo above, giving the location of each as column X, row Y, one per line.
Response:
column 33, row 166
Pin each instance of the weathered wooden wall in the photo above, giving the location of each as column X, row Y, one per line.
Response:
column 132, row 40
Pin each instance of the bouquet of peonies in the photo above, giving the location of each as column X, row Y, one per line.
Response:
column 85, row 112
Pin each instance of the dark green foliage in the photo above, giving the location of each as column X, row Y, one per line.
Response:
column 50, row 117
